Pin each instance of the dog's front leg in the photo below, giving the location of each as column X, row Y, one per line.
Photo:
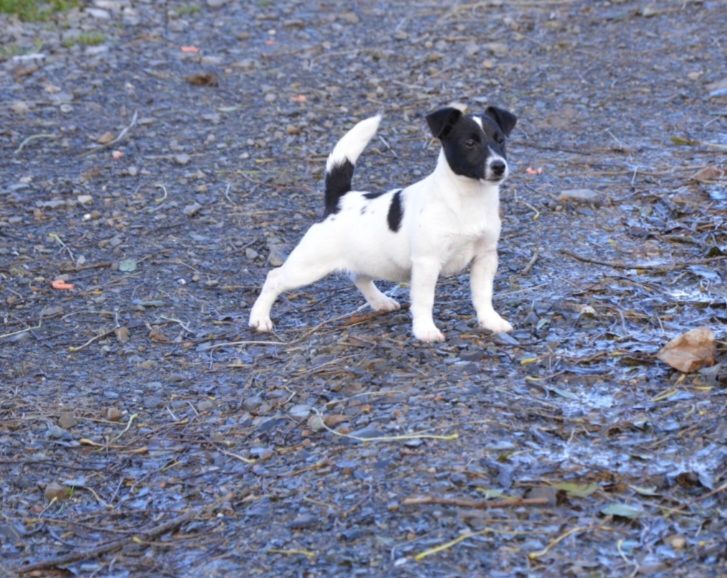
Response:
column 424, row 276
column 482, row 278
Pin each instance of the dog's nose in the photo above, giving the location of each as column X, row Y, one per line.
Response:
column 498, row 167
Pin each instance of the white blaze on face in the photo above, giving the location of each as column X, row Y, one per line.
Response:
column 492, row 157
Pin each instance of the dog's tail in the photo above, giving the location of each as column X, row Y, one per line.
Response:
column 341, row 161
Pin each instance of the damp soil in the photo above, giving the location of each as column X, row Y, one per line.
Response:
column 156, row 159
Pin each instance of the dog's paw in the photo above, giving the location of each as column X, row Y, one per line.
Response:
column 385, row 304
column 261, row 324
column 428, row 333
column 495, row 323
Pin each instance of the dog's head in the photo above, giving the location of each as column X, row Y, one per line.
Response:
column 474, row 145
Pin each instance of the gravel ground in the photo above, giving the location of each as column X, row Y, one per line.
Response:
column 157, row 158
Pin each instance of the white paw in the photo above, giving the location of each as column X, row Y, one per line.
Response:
column 260, row 323
column 428, row 333
column 385, row 303
column 495, row 323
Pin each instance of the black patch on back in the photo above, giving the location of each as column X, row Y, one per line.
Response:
column 396, row 212
column 371, row 196
column 338, row 183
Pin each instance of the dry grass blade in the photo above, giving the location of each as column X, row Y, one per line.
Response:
column 650, row 266
column 462, row 538
column 145, row 535
column 474, row 504
column 404, row 437
column 555, row 542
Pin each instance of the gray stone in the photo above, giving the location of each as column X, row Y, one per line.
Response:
column 98, row 13
column 586, row 196
column 192, row 209
column 276, row 257
column 300, row 410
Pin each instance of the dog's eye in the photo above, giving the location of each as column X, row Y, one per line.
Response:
column 470, row 143
column 499, row 139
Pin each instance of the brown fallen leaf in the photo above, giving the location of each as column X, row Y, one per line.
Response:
column 156, row 334
column 334, row 419
column 122, row 334
column 203, row 79
column 114, row 414
column 54, row 491
column 690, row 351
column 67, row 420
column 708, row 174
column 23, row 71
column 105, row 138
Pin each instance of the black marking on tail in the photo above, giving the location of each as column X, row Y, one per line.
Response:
column 396, row 212
column 338, row 183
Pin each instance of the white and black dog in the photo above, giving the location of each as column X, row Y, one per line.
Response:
column 437, row 226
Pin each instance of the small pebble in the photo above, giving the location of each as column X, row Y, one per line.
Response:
column 192, row 209
column 586, row 196
column 300, row 410
column 114, row 414
column 182, row 159
column 54, row 491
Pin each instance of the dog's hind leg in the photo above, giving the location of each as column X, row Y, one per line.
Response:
column 309, row 262
column 374, row 297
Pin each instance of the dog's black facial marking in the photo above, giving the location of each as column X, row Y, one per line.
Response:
column 338, row 183
column 494, row 135
column 442, row 120
column 503, row 118
column 466, row 148
column 396, row 212
column 472, row 140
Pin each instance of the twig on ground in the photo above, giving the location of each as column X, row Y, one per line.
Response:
column 307, row 553
column 164, row 196
column 462, row 538
column 555, row 542
column 19, row 331
column 179, row 322
column 144, row 535
column 227, row 194
column 530, row 264
column 236, row 456
column 56, row 237
column 474, row 504
column 31, row 138
column 247, row 342
column 74, row 349
column 120, row 137
column 132, row 417
column 650, row 266
column 403, row 437
column 536, row 216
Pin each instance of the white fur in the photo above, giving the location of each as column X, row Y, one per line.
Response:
column 449, row 222
column 353, row 142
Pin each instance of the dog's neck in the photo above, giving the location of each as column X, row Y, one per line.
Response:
column 451, row 183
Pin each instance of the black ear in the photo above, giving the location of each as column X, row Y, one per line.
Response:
column 504, row 119
column 442, row 120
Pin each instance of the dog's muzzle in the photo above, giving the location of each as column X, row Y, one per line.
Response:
column 496, row 170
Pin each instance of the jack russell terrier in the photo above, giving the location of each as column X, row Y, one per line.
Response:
column 437, row 226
